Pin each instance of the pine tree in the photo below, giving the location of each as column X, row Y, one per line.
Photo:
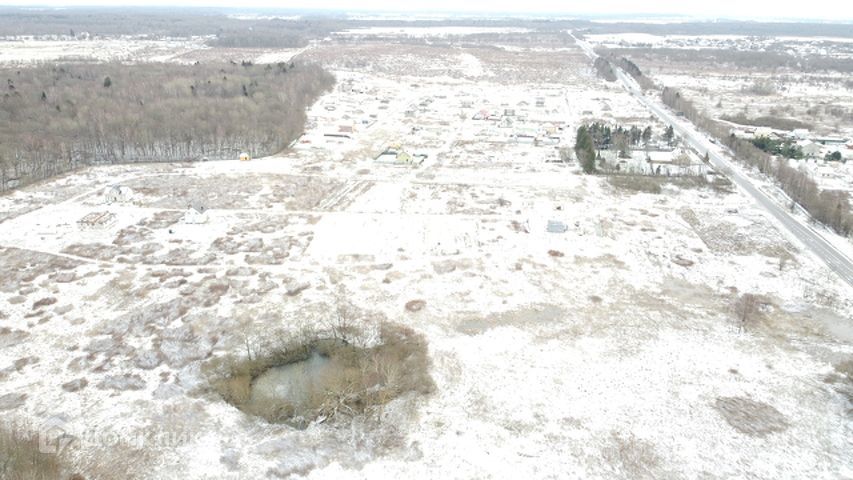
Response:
column 647, row 134
column 669, row 134
column 585, row 150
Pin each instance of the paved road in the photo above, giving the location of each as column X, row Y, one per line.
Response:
column 831, row 256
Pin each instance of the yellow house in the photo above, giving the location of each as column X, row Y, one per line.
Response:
column 404, row 157
column 244, row 157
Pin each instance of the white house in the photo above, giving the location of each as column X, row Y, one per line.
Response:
column 800, row 133
column 117, row 193
column 196, row 214
column 810, row 149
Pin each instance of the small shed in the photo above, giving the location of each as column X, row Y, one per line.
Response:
column 196, row 214
column 117, row 193
column 556, row 226
column 244, row 157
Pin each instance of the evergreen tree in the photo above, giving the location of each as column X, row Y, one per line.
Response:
column 669, row 134
column 585, row 149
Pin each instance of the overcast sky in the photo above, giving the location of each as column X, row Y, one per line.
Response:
column 840, row 10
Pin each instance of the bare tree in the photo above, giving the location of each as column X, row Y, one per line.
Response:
column 746, row 308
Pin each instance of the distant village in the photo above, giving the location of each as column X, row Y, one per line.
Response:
column 827, row 159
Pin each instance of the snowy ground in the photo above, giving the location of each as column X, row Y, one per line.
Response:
column 608, row 351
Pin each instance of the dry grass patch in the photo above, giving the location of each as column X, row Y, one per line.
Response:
column 324, row 377
column 636, row 183
column 756, row 419
column 633, row 457
column 654, row 184
column 21, row 459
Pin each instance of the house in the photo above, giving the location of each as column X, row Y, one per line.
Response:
column 548, row 140
column 830, row 140
column 800, row 133
column 117, row 193
column 244, row 157
column 505, row 122
column 810, row 149
column 195, row 214
column 411, row 159
column 403, row 157
column 396, row 154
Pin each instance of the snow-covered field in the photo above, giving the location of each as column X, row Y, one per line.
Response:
column 608, row 351
column 104, row 50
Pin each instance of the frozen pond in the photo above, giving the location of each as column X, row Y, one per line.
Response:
column 294, row 382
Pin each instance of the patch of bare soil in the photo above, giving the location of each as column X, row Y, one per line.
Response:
column 230, row 192
column 164, row 219
column 681, row 261
column 756, row 419
column 415, row 305
column 726, row 237
column 21, row 267
column 528, row 315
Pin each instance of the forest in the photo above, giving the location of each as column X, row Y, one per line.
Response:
column 54, row 119
column 221, row 30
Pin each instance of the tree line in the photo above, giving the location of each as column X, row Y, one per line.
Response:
column 610, row 59
column 54, row 119
column 597, row 136
column 830, row 207
column 604, row 69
